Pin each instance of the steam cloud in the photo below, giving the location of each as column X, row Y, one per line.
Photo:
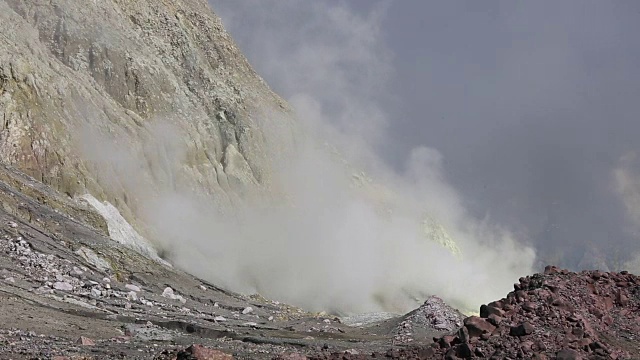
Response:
column 627, row 185
column 348, row 233
column 531, row 104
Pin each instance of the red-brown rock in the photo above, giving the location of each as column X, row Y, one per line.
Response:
column 521, row 330
column 478, row 326
column 85, row 341
column 487, row 310
column 568, row 354
column 199, row 352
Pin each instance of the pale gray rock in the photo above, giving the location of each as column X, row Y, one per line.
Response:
column 95, row 292
column 92, row 258
column 148, row 332
column 132, row 287
column 63, row 286
column 43, row 290
column 168, row 293
column 433, row 314
column 132, row 296
column 247, row 310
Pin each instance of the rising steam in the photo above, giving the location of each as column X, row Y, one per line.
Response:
column 342, row 231
column 339, row 240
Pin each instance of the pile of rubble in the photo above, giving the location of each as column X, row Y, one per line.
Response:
column 54, row 275
column 555, row 315
column 434, row 314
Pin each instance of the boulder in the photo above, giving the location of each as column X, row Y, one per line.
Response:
column 521, row 330
column 199, row 352
column 478, row 326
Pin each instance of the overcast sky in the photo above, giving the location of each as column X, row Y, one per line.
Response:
column 533, row 105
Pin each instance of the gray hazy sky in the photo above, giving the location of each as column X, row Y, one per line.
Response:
column 531, row 104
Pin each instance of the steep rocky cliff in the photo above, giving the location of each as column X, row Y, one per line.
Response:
column 94, row 92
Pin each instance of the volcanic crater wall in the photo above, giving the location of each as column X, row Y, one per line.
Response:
column 87, row 90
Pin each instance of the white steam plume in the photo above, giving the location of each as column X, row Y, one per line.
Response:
column 338, row 239
column 626, row 180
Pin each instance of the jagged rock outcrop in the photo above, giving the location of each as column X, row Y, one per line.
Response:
column 93, row 91
column 558, row 314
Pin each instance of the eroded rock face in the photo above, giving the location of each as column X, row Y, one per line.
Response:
column 93, row 91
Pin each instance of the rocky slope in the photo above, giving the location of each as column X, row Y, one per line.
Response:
column 68, row 290
column 91, row 91
column 558, row 314
column 555, row 315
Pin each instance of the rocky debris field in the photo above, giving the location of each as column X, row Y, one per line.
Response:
column 69, row 292
column 555, row 315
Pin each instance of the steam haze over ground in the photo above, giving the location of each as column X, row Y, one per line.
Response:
column 533, row 106
column 341, row 243
column 502, row 126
